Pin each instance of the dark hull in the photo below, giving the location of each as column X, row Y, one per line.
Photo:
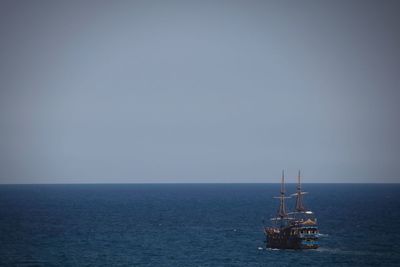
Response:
column 290, row 243
column 292, row 237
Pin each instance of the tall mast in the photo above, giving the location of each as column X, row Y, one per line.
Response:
column 282, row 209
column 299, row 195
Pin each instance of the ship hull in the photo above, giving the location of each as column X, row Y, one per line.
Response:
column 290, row 243
column 292, row 237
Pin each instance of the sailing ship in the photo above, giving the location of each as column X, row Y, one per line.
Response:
column 292, row 230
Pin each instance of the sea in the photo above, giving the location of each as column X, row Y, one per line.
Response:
column 192, row 225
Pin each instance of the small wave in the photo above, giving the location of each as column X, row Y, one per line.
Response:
column 323, row 235
column 29, row 263
column 329, row 250
column 272, row 249
column 347, row 252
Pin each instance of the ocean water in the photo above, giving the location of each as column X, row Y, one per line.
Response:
column 191, row 225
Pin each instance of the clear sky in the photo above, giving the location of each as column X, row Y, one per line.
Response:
column 199, row 91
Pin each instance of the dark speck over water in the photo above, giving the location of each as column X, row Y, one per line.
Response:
column 191, row 225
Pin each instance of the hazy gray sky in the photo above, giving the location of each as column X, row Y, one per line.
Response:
column 199, row 91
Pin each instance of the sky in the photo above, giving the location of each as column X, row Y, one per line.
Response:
column 199, row 91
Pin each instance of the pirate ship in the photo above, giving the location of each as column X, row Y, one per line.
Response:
column 293, row 230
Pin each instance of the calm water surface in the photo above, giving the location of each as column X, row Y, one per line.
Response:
column 191, row 225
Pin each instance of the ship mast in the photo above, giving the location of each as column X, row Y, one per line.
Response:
column 299, row 196
column 282, row 208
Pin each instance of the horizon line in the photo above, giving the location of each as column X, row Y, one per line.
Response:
column 194, row 183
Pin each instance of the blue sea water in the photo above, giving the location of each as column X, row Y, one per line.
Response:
column 191, row 225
